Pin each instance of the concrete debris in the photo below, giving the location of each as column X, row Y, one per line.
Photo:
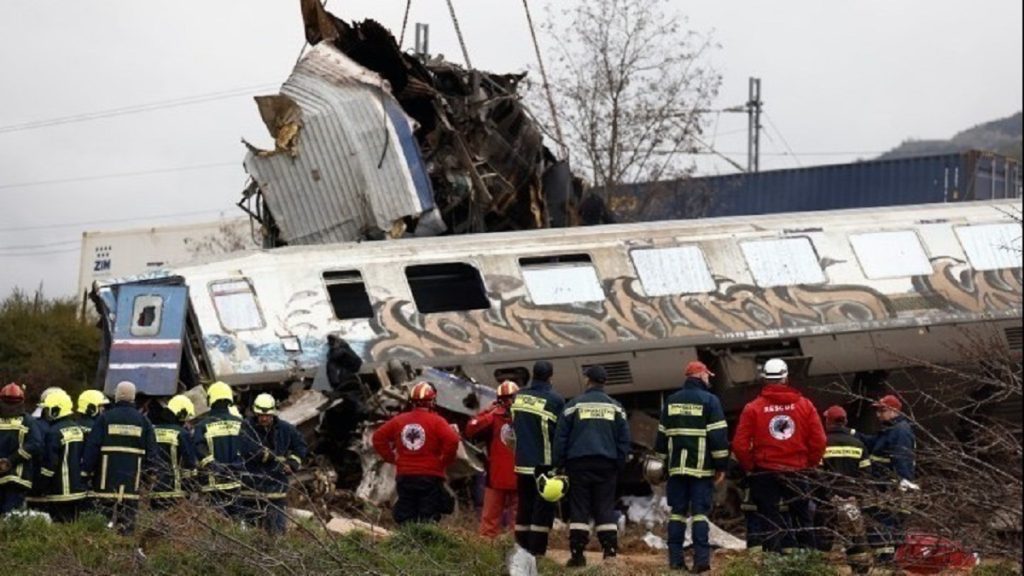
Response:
column 345, row 525
column 304, row 407
column 654, row 541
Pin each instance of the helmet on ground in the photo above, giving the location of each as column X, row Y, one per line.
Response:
column 654, row 469
column 89, row 402
column 219, row 391
column 422, row 392
column 507, row 388
column 12, row 394
column 181, row 407
column 552, row 487
column 264, row 404
column 776, row 369
column 58, row 404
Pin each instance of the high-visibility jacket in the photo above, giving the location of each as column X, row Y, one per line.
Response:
column 892, row 450
column 20, row 443
column 280, row 451
column 222, row 449
column 592, row 424
column 845, row 461
column 61, row 462
column 38, row 481
column 495, row 425
column 693, row 436
column 535, row 415
column 175, row 462
column 119, row 447
column 418, row 442
column 779, row 431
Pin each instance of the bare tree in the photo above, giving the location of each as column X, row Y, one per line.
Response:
column 630, row 82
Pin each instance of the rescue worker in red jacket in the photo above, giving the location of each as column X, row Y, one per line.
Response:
column 421, row 445
column 495, row 426
column 780, row 441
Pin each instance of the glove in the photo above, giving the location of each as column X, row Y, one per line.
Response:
column 5, row 466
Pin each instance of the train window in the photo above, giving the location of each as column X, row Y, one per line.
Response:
column 236, row 306
column 670, row 271
column 450, row 287
column 347, row 293
column 890, row 254
column 565, row 279
column 783, row 262
column 991, row 246
column 146, row 312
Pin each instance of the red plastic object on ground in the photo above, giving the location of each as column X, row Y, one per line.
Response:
column 930, row 554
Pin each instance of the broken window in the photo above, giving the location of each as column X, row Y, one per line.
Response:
column 146, row 313
column 449, row 287
column 991, row 246
column 890, row 254
column 236, row 305
column 564, row 279
column 347, row 293
column 519, row 374
column 783, row 262
column 671, row 271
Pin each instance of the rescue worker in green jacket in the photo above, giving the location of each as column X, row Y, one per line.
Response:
column 64, row 490
column 120, row 446
column 175, row 462
column 222, row 449
column 20, row 444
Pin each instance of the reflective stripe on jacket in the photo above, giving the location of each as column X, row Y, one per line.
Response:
column 593, row 424
column 175, row 461
column 120, row 444
column 61, row 463
column 693, row 436
column 21, row 443
column 221, row 450
column 535, row 415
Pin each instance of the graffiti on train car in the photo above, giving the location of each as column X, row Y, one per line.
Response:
column 956, row 287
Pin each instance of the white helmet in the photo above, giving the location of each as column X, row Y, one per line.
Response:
column 776, row 369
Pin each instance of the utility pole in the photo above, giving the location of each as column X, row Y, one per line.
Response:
column 422, row 46
column 754, row 105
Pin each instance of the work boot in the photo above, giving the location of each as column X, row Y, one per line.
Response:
column 700, row 569
column 577, row 560
column 610, row 553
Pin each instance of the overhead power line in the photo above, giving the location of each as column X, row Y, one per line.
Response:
column 88, row 178
column 143, row 218
column 135, row 108
column 36, row 246
column 44, row 253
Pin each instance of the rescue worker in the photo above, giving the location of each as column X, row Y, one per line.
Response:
column 592, row 443
column 222, row 449
column 535, row 414
column 36, row 495
column 421, row 445
column 175, row 461
column 64, row 489
column 892, row 463
column 495, row 426
column 694, row 442
column 119, row 447
column 779, row 440
column 90, row 404
column 20, row 445
column 844, row 465
column 281, row 450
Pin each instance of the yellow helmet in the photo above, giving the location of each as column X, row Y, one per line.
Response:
column 59, row 404
column 552, row 488
column 182, row 407
column 90, row 401
column 264, row 404
column 219, row 391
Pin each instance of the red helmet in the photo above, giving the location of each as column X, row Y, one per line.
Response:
column 12, row 394
column 835, row 414
column 422, row 392
column 507, row 388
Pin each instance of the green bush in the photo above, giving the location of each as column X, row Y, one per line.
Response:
column 799, row 564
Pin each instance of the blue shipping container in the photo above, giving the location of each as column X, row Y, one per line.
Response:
column 920, row 180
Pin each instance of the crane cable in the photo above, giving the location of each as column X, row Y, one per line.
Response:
column 405, row 21
column 458, row 32
column 547, row 85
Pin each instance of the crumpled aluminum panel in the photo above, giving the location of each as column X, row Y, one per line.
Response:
column 355, row 164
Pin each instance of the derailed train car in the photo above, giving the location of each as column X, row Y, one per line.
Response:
column 850, row 292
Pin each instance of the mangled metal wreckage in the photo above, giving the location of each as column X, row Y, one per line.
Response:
column 372, row 143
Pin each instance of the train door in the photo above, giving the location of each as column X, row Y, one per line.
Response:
column 146, row 339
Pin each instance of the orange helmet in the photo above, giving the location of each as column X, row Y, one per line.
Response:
column 507, row 388
column 422, row 392
column 12, row 394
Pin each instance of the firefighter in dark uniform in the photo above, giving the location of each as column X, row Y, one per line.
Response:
column 175, row 460
column 694, row 442
column 120, row 446
column 281, row 450
column 535, row 414
column 35, row 497
column 222, row 449
column 91, row 404
column 20, row 444
column 892, row 465
column 64, row 489
column 592, row 443
column 844, row 466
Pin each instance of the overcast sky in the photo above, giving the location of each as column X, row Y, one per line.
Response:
column 841, row 80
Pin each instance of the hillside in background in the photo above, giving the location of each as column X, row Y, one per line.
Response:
column 1002, row 136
